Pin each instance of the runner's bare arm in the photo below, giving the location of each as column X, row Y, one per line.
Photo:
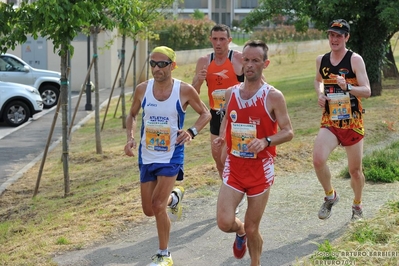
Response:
column 131, row 118
column 362, row 89
column 318, row 84
column 279, row 111
column 219, row 141
column 200, row 72
column 190, row 97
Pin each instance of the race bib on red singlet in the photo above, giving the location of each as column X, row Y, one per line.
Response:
column 241, row 136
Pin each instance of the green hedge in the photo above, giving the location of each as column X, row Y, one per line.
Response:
column 287, row 34
column 187, row 34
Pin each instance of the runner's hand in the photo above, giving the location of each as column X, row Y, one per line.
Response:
column 130, row 145
column 217, row 143
column 183, row 137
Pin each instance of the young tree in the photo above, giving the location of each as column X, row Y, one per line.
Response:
column 94, row 31
column 372, row 25
column 135, row 19
column 59, row 21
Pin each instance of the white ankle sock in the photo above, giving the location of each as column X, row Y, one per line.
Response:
column 163, row 252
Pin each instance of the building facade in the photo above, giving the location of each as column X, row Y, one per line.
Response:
column 220, row 11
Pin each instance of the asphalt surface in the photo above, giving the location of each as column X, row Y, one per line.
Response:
column 23, row 146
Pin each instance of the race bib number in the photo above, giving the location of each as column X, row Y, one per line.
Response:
column 219, row 100
column 157, row 135
column 339, row 106
column 241, row 136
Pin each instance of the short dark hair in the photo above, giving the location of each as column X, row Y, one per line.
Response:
column 258, row 43
column 221, row 27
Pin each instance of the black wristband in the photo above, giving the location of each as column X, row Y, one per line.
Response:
column 191, row 133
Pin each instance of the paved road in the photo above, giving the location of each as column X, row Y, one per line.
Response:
column 23, row 146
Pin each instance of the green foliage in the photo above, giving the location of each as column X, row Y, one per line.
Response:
column 393, row 206
column 372, row 25
column 381, row 165
column 287, row 34
column 62, row 241
column 134, row 17
column 57, row 20
column 197, row 14
column 366, row 232
column 235, row 23
column 184, row 34
column 326, row 252
column 13, row 25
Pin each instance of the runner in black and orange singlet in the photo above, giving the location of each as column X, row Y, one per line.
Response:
column 341, row 81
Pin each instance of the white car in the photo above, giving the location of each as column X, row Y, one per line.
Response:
column 18, row 103
column 14, row 69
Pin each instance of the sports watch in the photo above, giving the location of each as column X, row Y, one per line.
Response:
column 269, row 141
column 348, row 87
column 193, row 132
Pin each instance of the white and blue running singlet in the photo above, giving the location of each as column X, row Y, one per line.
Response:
column 160, row 122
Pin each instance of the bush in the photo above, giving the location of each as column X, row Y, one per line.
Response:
column 184, row 34
column 287, row 34
column 189, row 34
column 381, row 165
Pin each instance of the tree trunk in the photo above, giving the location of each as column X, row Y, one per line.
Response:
column 96, row 91
column 389, row 69
column 64, row 110
column 376, row 88
column 122, row 95
column 373, row 57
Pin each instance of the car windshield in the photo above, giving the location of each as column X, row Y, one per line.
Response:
column 8, row 63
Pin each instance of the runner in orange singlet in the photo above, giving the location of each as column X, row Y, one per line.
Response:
column 221, row 70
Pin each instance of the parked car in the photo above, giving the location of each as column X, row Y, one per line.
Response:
column 14, row 69
column 18, row 103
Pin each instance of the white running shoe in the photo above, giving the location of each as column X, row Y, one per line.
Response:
column 177, row 209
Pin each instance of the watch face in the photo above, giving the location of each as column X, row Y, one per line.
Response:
column 194, row 130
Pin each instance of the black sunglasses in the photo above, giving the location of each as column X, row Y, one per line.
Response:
column 160, row 64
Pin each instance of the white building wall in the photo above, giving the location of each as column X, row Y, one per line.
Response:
column 108, row 61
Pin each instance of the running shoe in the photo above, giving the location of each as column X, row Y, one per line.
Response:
column 325, row 210
column 240, row 246
column 177, row 209
column 161, row 260
column 357, row 213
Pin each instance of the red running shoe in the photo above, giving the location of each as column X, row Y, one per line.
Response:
column 240, row 246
